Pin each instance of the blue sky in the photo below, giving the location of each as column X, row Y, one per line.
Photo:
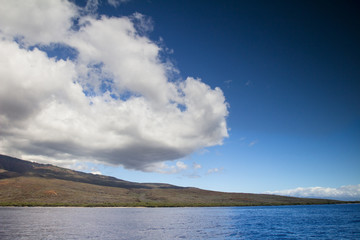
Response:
column 288, row 71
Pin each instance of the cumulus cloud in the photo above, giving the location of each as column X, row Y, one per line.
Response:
column 113, row 102
column 36, row 21
column 349, row 192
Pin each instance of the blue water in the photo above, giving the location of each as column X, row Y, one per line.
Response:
column 283, row 222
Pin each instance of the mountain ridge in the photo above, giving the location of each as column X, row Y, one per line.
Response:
column 24, row 183
column 18, row 167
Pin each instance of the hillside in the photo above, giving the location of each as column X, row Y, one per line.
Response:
column 24, row 183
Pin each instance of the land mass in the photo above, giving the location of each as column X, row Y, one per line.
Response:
column 25, row 183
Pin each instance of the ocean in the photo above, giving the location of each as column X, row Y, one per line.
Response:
column 268, row 222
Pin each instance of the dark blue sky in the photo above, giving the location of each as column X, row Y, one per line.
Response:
column 285, row 66
column 290, row 71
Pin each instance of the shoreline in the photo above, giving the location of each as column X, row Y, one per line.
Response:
column 157, row 205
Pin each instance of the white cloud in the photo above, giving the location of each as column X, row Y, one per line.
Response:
column 114, row 103
column 96, row 172
column 166, row 169
column 350, row 192
column 84, row 168
column 252, row 143
column 181, row 165
column 116, row 3
column 91, row 6
column 215, row 170
column 196, row 166
column 37, row 21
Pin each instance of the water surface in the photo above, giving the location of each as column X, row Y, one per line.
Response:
column 282, row 222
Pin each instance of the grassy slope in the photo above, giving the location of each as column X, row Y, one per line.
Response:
column 32, row 184
column 36, row 191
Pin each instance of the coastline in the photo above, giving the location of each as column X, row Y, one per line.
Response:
column 161, row 205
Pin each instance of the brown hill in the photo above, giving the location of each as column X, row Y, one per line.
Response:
column 24, row 183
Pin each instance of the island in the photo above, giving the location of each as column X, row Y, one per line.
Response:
column 25, row 183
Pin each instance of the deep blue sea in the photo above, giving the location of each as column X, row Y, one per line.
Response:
column 282, row 222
